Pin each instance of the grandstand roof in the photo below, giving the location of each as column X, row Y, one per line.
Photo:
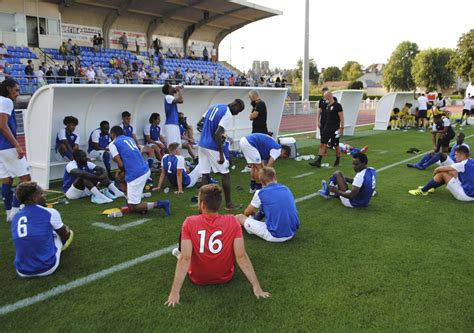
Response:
column 205, row 20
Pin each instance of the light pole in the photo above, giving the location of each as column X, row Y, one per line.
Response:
column 305, row 83
column 243, row 59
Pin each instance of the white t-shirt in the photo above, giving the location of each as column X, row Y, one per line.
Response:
column 422, row 103
column 467, row 104
column 169, row 99
column 90, row 74
column 62, row 136
column 73, row 165
column 256, row 202
column 6, row 105
column 165, row 76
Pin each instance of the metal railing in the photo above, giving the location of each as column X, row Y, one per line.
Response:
column 302, row 108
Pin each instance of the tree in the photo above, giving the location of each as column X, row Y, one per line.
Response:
column 397, row 74
column 430, row 69
column 351, row 71
column 358, row 85
column 313, row 71
column 332, row 73
column 462, row 62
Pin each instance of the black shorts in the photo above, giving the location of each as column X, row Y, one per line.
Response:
column 422, row 113
column 444, row 142
column 329, row 134
column 468, row 112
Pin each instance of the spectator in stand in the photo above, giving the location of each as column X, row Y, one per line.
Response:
column 62, row 73
column 231, row 80
column 76, row 50
column 188, row 76
column 213, row 55
column 205, row 78
column 156, row 45
column 169, row 53
column 112, row 63
column 62, row 50
column 69, row 47
column 39, row 74
column 135, row 65
column 101, row 76
column 151, row 56
column 90, row 75
column 100, row 43
column 95, row 43
column 50, row 76
column 3, row 49
column 123, row 40
column 205, row 54
column 70, row 73
column 164, row 76
column 3, row 62
column 30, row 75
column 137, row 47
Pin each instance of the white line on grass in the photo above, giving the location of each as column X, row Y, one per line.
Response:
column 303, row 175
column 82, row 281
column 119, row 227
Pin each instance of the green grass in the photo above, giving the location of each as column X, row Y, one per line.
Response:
column 403, row 264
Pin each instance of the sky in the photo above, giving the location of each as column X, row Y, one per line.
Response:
column 366, row 31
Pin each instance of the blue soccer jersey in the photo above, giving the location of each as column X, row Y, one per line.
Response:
column 154, row 131
column 128, row 130
column 278, row 204
column 33, row 239
column 465, row 171
column 102, row 140
column 133, row 162
column 366, row 181
column 171, row 111
column 69, row 179
column 172, row 163
column 264, row 144
column 6, row 107
column 72, row 138
column 217, row 115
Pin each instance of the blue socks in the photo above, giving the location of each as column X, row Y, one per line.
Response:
column 16, row 203
column 252, row 184
column 150, row 163
column 431, row 184
column 7, row 195
column 68, row 154
column 432, row 160
column 106, row 159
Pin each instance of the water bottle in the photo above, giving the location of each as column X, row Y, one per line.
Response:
column 146, row 195
column 115, row 214
column 166, row 190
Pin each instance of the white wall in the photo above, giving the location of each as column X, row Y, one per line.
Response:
column 94, row 103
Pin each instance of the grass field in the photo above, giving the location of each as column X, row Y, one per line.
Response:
column 402, row 264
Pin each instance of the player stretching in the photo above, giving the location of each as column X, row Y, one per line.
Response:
column 363, row 184
column 38, row 234
column 129, row 160
column 458, row 178
column 209, row 245
column 211, row 152
column 12, row 157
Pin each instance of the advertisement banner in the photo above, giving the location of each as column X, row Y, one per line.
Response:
column 79, row 32
column 131, row 36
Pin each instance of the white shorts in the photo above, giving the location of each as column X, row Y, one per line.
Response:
column 252, row 156
column 194, row 175
column 135, row 189
column 97, row 155
column 446, row 162
column 59, row 246
column 259, row 229
column 172, row 134
column 60, row 158
column 454, row 186
column 346, row 202
column 74, row 193
column 208, row 162
column 11, row 166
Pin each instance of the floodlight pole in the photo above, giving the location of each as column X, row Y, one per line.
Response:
column 305, row 83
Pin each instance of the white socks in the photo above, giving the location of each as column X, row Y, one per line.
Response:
column 116, row 191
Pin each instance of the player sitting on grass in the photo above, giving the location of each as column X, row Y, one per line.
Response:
column 153, row 137
column 458, row 177
column 67, row 141
column 259, row 150
column 395, row 119
column 99, row 146
column 277, row 204
column 363, row 184
column 174, row 168
column 439, row 157
column 81, row 178
column 136, row 172
column 209, row 244
column 38, row 233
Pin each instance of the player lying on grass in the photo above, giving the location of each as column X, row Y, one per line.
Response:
column 442, row 133
column 439, row 157
column 81, row 178
column 363, row 184
column 153, row 138
column 174, row 168
column 136, row 172
column 38, row 234
column 209, row 244
column 350, row 150
column 67, row 141
column 259, row 150
column 458, row 177
column 98, row 149
column 277, row 205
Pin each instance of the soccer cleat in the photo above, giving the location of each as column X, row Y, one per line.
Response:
column 364, row 149
column 412, row 165
column 316, row 164
column 109, row 195
column 324, row 191
column 166, row 205
column 176, row 252
column 69, row 241
column 100, row 200
column 246, row 169
column 418, row 192
column 431, row 190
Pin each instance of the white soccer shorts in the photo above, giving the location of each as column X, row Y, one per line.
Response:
column 252, row 156
column 208, row 162
column 135, row 189
column 454, row 186
column 346, row 202
column 259, row 229
column 11, row 166
column 172, row 134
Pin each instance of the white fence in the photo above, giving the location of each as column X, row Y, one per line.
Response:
column 299, row 107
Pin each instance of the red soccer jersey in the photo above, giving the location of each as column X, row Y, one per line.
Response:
column 212, row 237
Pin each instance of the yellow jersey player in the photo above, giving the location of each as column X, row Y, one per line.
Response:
column 394, row 119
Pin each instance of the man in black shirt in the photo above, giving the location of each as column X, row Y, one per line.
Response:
column 321, row 114
column 258, row 116
column 332, row 130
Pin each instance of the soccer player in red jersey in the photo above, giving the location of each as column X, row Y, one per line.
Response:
column 209, row 244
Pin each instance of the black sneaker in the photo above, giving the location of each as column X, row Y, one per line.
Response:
column 336, row 163
column 316, row 164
